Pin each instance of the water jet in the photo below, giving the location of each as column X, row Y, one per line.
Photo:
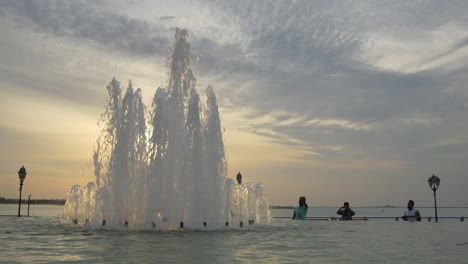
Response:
column 171, row 165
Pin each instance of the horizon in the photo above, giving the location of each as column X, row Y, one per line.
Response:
column 277, row 205
column 358, row 102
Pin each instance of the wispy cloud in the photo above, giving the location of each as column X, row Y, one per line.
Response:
column 79, row 21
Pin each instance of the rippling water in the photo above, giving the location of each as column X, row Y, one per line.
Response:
column 42, row 239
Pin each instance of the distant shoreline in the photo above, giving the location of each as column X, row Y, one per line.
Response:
column 382, row 207
column 62, row 202
column 34, row 201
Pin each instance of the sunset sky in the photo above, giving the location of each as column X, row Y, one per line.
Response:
column 358, row 101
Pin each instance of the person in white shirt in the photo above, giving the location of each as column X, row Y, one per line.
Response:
column 412, row 214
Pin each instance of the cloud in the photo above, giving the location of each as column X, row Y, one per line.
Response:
column 369, row 88
column 76, row 20
column 312, row 59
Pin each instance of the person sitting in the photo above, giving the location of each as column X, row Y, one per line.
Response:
column 300, row 212
column 346, row 212
column 412, row 214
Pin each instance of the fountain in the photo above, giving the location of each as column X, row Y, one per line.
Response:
column 168, row 170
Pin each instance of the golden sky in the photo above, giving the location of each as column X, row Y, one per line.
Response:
column 353, row 101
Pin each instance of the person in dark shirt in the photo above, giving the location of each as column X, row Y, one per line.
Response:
column 346, row 212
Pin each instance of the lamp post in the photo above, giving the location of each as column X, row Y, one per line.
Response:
column 434, row 182
column 239, row 178
column 22, row 177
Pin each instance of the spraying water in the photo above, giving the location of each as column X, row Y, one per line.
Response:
column 170, row 173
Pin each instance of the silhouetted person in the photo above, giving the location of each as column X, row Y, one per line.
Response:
column 239, row 178
column 346, row 212
column 412, row 214
column 300, row 212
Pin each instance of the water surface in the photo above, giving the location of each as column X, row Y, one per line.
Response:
column 43, row 239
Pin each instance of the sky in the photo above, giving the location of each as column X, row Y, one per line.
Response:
column 358, row 101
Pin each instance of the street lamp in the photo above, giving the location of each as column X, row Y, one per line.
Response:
column 22, row 177
column 239, row 178
column 434, row 182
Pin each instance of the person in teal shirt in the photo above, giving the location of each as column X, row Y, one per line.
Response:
column 300, row 212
